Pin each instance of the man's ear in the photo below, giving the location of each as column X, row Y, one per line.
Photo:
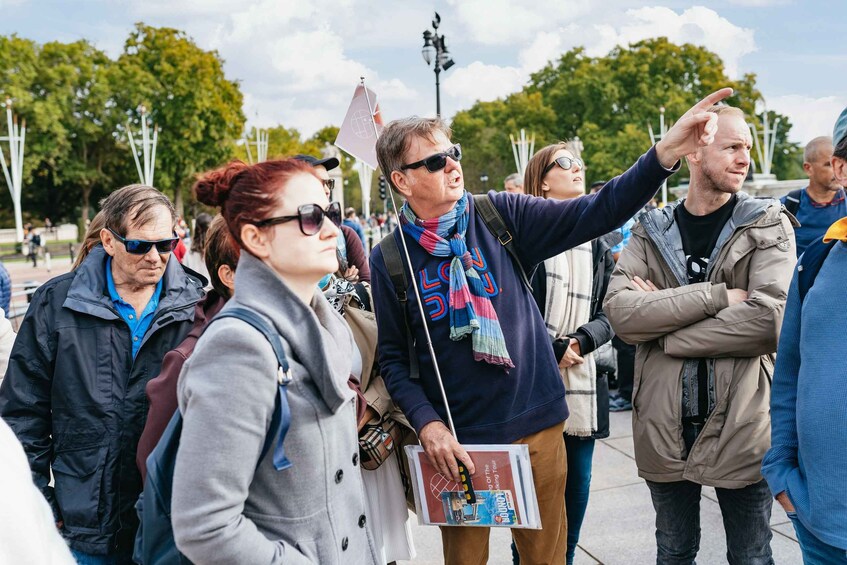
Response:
column 839, row 170
column 399, row 180
column 807, row 168
column 109, row 242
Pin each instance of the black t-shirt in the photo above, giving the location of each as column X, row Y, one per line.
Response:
column 700, row 235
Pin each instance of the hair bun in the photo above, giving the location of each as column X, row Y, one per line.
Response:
column 212, row 188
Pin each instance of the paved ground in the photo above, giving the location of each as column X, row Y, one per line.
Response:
column 618, row 527
column 23, row 273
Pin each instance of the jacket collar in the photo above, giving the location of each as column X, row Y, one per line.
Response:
column 88, row 293
column 305, row 328
column 661, row 227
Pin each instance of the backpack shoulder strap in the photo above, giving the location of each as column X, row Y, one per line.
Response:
column 792, row 201
column 810, row 264
column 394, row 265
column 497, row 226
column 282, row 413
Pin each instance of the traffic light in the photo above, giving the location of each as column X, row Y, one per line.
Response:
column 382, row 186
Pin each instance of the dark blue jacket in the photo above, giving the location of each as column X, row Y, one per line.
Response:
column 489, row 405
column 5, row 289
column 75, row 398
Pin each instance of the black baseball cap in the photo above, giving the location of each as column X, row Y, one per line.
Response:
column 329, row 163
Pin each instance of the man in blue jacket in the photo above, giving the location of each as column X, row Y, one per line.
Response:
column 503, row 383
column 806, row 466
column 74, row 388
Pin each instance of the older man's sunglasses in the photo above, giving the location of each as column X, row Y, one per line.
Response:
column 310, row 216
column 438, row 161
column 142, row 246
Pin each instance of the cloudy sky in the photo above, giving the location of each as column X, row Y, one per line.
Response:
column 299, row 61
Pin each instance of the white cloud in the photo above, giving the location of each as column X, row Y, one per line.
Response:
column 506, row 22
column 479, row 81
column 810, row 117
column 698, row 25
column 758, row 3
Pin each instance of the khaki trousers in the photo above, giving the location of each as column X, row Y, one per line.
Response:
column 469, row 545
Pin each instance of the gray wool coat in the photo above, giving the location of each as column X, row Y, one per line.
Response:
column 224, row 509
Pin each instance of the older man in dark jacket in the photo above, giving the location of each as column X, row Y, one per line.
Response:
column 74, row 389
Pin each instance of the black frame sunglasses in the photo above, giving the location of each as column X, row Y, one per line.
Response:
column 435, row 163
column 310, row 217
column 143, row 246
column 561, row 161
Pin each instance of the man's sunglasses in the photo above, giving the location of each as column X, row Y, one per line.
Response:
column 438, row 161
column 142, row 246
column 566, row 163
column 311, row 217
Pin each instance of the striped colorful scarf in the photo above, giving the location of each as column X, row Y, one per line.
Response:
column 471, row 311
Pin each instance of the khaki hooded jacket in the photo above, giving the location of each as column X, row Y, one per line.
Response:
column 681, row 322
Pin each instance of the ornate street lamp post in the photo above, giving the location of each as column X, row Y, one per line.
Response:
column 435, row 52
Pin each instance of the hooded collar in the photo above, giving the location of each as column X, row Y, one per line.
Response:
column 317, row 335
column 88, row 293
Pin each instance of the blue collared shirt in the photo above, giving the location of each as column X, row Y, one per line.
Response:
column 138, row 325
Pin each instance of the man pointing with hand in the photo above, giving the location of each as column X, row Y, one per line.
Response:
column 498, row 369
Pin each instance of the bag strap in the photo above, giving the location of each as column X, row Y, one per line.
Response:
column 792, row 201
column 397, row 273
column 497, row 226
column 810, row 264
column 281, row 419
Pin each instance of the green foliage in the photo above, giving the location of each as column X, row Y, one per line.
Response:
column 608, row 102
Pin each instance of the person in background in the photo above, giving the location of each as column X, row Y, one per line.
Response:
column 621, row 400
column 5, row 289
column 7, row 340
column 195, row 259
column 352, row 222
column 569, row 290
column 74, row 389
column 350, row 247
column 514, row 183
column 229, row 506
column 822, row 202
column 32, row 242
column 221, row 257
column 806, row 466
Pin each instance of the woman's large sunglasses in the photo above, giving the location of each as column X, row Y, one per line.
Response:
column 142, row 246
column 311, row 217
column 438, row 161
column 566, row 163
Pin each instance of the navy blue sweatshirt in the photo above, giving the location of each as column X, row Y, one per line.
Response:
column 488, row 404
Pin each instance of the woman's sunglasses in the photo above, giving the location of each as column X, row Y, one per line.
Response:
column 311, row 217
column 438, row 161
column 566, row 163
column 142, row 246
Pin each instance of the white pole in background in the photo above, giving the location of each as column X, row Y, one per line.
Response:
column 13, row 171
column 147, row 166
column 654, row 139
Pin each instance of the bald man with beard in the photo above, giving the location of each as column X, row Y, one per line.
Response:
column 821, row 203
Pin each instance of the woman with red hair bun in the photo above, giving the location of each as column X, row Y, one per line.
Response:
column 230, row 504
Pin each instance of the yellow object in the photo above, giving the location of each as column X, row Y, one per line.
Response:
column 838, row 231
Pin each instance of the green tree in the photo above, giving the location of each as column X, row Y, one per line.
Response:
column 187, row 95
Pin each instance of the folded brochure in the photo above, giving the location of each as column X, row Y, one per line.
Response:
column 505, row 492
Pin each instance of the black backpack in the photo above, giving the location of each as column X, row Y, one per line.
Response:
column 154, row 542
column 810, row 264
column 792, row 201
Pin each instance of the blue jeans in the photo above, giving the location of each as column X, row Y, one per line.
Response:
column 746, row 514
column 815, row 551
column 114, row 559
column 580, row 453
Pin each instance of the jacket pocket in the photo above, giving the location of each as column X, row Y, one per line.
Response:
column 78, row 475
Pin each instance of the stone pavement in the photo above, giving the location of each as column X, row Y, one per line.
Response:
column 618, row 527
